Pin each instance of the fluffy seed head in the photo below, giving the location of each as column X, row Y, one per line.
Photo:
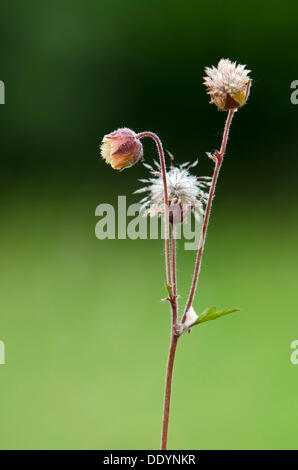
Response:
column 227, row 84
column 185, row 192
column 121, row 149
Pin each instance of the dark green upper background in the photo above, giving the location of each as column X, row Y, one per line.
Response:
column 76, row 70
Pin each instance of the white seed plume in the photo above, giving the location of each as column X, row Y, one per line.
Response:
column 185, row 191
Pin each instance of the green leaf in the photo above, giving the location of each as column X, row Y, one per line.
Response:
column 211, row 314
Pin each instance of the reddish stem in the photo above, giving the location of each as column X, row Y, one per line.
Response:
column 168, row 389
column 218, row 159
column 173, row 345
column 166, row 215
column 171, row 288
column 174, row 275
column 226, row 133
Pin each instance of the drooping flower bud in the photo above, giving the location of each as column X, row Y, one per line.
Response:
column 121, row 149
column 228, row 85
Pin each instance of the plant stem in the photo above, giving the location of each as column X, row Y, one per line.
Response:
column 218, row 159
column 173, row 346
column 226, row 133
column 174, row 276
column 168, row 389
column 171, row 288
column 166, row 199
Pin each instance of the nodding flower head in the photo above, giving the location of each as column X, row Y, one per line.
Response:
column 228, row 85
column 121, row 149
column 185, row 192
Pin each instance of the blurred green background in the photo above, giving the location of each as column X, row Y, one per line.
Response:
column 86, row 337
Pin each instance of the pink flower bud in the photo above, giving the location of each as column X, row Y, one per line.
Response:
column 121, row 149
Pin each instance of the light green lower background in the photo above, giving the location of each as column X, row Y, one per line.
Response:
column 87, row 338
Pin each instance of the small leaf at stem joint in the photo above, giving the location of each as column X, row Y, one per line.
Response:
column 211, row 313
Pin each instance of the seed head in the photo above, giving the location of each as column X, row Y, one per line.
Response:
column 185, row 192
column 121, row 149
column 228, row 85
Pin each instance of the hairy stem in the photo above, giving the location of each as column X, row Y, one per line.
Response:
column 218, row 159
column 168, row 390
column 174, row 277
column 166, row 199
column 173, row 346
column 171, row 288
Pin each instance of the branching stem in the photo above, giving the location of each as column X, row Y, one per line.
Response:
column 172, row 287
column 173, row 346
column 171, row 274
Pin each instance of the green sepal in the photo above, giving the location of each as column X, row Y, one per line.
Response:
column 169, row 289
